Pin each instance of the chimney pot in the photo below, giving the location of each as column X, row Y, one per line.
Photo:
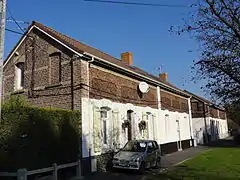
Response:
column 163, row 76
column 127, row 57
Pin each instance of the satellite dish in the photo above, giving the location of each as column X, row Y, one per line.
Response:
column 143, row 87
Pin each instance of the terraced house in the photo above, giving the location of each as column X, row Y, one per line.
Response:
column 209, row 121
column 117, row 100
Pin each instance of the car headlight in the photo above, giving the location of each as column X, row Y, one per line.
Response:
column 137, row 160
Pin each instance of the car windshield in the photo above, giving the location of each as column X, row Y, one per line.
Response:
column 135, row 146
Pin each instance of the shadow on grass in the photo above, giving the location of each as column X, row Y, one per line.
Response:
column 178, row 173
column 184, row 172
column 226, row 143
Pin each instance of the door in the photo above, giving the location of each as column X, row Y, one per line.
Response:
column 179, row 143
column 129, row 129
column 157, row 152
column 151, row 130
column 151, row 155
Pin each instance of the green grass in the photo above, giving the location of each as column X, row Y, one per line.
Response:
column 218, row 163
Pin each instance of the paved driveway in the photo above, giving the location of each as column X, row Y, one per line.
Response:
column 168, row 161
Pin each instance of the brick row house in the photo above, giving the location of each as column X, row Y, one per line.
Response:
column 117, row 100
column 209, row 121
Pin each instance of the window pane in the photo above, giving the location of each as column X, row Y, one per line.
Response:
column 103, row 114
column 55, row 68
column 104, row 132
column 129, row 115
column 20, row 75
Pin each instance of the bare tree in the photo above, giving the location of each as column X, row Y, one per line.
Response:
column 216, row 26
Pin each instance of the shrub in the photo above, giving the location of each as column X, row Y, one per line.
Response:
column 33, row 137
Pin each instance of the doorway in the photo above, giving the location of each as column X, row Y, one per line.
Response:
column 129, row 129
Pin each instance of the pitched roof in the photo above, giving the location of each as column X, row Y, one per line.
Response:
column 80, row 47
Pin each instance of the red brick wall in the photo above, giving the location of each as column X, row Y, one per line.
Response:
column 197, row 109
column 119, row 89
column 107, row 85
column 51, row 87
column 213, row 112
column 173, row 103
column 222, row 114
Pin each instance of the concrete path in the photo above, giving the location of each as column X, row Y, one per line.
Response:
column 176, row 158
column 168, row 161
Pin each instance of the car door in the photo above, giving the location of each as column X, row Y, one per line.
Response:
column 151, row 153
column 157, row 151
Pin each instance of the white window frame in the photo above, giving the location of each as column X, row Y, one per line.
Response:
column 105, row 134
column 167, row 119
column 104, row 119
column 19, row 76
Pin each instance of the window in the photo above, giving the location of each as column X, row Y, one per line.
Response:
column 55, row 68
column 167, row 125
column 156, row 145
column 150, row 147
column 104, row 125
column 19, row 76
column 135, row 146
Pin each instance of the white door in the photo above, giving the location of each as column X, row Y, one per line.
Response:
column 179, row 143
column 151, row 132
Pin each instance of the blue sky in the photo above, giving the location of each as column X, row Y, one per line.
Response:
column 114, row 29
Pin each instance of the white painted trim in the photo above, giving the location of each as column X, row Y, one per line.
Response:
column 19, row 44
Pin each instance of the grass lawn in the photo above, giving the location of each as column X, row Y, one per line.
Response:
column 218, row 163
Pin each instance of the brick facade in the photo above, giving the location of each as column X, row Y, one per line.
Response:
column 198, row 110
column 173, row 102
column 47, row 77
column 49, row 84
column 109, row 85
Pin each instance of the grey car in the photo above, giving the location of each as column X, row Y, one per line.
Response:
column 138, row 155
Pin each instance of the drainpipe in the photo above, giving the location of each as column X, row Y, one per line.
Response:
column 159, row 109
column 190, row 122
column 205, row 122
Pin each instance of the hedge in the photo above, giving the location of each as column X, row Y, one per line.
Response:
column 32, row 137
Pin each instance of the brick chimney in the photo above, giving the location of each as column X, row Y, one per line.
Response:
column 127, row 57
column 163, row 76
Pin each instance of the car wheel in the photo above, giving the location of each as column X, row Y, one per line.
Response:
column 142, row 168
column 158, row 163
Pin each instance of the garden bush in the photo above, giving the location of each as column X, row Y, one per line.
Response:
column 32, row 137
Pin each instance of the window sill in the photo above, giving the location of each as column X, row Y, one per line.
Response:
column 53, row 86
column 20, row 91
